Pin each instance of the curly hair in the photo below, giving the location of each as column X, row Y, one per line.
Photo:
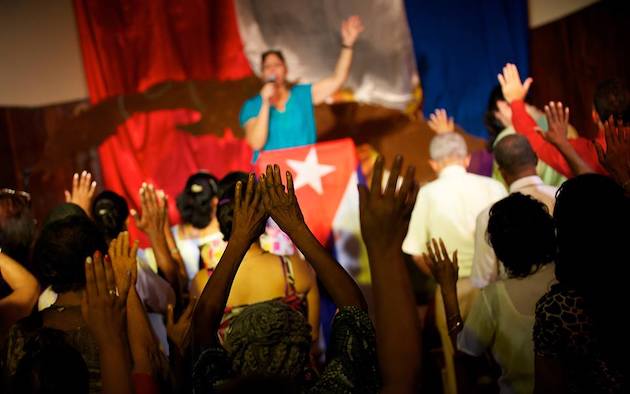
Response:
column 522, row 234
column 194, row 203
column 60, row 251
column 110, row 211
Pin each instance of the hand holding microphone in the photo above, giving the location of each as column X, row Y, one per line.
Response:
column 269, row 89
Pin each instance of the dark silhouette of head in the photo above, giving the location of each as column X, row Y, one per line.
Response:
column 591, row 216
column 196, row 203
column 522, row 234
column 515, row 157
column 60, row 251
column 612, row 98
column 110, row 212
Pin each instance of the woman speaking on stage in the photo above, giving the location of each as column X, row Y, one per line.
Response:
column 281, row 115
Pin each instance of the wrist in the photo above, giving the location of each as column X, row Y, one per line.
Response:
column 346, row 46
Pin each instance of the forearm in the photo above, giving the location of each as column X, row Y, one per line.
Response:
column 397, row 326
column 166, row 264
column 452, row 313
column 576, row 163
column 256, row 135
column 341, row 287
column 174, row 252
column 141, row 337
column 20, row 302
column 524, row 124
column 342, row 69
column 211, row 304
column 115, row 366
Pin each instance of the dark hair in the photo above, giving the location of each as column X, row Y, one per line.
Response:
column 513, row 154
column 592, row 216
column 612, row 98
column 63, row 211
column 17, row 226
column 522, row 234
column 225, row 208
column 50, row 365
column 276, row 52
column 195, row 202
column 110, row 211
column 60, row 251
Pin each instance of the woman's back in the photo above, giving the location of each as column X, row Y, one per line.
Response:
column 502, row 319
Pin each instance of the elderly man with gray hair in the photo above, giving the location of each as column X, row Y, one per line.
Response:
column 447, row 208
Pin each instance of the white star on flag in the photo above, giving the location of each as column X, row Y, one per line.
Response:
column 310, row 172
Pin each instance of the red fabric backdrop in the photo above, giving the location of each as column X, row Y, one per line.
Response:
column 128, row 46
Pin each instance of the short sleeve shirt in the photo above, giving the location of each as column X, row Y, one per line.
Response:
column 295, row 126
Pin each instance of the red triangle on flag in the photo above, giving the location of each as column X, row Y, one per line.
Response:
column 321, row 173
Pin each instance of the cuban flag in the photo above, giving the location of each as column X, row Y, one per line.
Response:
column 322, row 174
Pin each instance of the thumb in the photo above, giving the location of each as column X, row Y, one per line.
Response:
column 527, row 84
column 68, row 195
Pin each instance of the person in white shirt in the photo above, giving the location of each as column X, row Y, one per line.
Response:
column 517, row 163
column 502, row 317
column 447, row 208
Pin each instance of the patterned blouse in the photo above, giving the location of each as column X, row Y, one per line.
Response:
column 564, row 330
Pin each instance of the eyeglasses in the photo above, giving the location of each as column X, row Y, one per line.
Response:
column 24, row 195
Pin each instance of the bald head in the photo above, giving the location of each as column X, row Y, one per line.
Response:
column 515, row 155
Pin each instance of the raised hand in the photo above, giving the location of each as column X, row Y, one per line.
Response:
column 104, row 300
column 249, row 214
column 82, row 193
column 616, row 158
column 104, row 310
column 350, row 30
column 440, row 122
column 385, row 214
column 153, row 205
column 282, row 206
column 511, row 85
column 558, row 119
column 123, row 257
column 443, row 268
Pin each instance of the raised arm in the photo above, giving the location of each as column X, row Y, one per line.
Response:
column 152, row 223
column 615, row 157
column 445, row 271
column 514, row 91
column 248, row 224
column 350, row 30
column 558, row 119
column 103, row 310
column 384, row 221
column 25, row 290
column 142, row 340
column 284, row 209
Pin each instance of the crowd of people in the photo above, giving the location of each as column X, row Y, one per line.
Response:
column 528, row 264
